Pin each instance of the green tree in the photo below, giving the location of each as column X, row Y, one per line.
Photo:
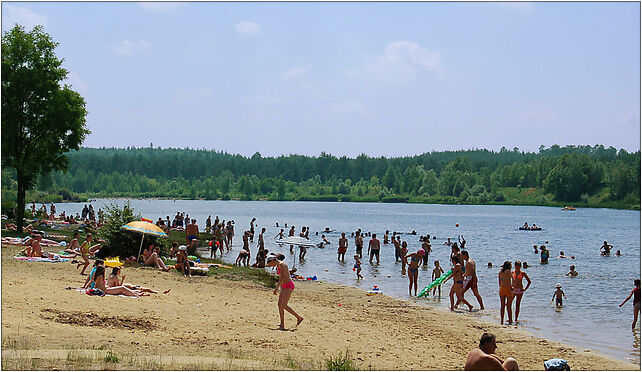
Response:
column 42, row 120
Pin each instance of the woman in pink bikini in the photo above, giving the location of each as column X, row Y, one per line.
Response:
column 287, row 287
column 518, row 287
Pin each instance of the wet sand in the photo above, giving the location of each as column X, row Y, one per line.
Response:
column 232, row 324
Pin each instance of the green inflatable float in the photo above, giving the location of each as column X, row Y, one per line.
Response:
column 438, row 281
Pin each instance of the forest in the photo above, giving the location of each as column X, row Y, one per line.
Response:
column 591, row 176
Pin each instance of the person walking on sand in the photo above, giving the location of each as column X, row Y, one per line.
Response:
column 343, row 247
column 287, row 287
column 518, row 287
column 505, row 292
column 457, row 287
column 374, row 246
column 470, row 280
column 484, row 358
column 635, row 293
column 413, row 269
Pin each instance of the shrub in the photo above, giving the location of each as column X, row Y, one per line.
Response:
column 124, row 243
column 343, row 362
column 111, row 357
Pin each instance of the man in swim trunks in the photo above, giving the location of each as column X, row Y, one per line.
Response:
column 484, row 358
column 470, row 279
column 605, row 249
column 343, row 247
column 191, row 231
column 374, row 246
column 397, row 244
column 358, row 242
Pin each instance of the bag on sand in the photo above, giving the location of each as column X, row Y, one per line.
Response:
column 556, row 365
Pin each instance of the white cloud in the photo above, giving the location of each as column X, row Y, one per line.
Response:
column 160, row 7
column 295, row 72
column 349, row 107
column 247, row 28
column 540, row 115
column 127, row 47
column 76, row 83
column 525, row 7
column 12, row 14
column 400, row 61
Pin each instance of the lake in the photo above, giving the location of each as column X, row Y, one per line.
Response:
column 589, row 318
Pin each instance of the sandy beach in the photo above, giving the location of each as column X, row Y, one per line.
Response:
column 214, row 323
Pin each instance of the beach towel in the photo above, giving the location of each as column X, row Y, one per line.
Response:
column 556, row 364
column 41, row 259
column 95, row 292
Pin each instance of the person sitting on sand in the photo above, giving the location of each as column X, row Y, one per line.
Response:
column 572, row 273
column 457, row 287
column 74, row 246
column 152, row 258
column 113, row 281
column 99, row 283
column 182, row 262
column 286, row 285
column 484, row 358
column 90, row 277
column 413, row 269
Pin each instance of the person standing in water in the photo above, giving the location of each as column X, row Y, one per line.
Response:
column 518, row 287
column 374, row 246
column 358, row 242
column 635, row 293
column 470, row 280
column 505, row 292
column 343, row 247
column 413, row 268
column 456, row 288
column 286, row 285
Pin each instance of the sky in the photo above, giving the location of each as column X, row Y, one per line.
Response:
column 384, row 79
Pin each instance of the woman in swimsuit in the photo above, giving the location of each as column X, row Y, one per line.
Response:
column 287, row 287
column 413, row 268
column 99, row 282
column 85, row 249
column 505, row 292
column 114, row 281
column 403, row 251
column 457, row 287
column 518, row 288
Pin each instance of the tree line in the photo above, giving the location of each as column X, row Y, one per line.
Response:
column 563, row 174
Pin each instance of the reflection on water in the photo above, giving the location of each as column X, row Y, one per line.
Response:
column 590, row 311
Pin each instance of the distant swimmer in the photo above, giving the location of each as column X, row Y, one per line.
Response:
column 448, row 242
column 605, row 249
column 572, row 273
column 535, row 249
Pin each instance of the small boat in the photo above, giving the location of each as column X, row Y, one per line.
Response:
column 568, row 208
column 531, row 228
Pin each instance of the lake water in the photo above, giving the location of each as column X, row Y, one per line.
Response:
column 590, row 317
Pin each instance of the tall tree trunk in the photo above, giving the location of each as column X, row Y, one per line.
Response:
column 20, row 212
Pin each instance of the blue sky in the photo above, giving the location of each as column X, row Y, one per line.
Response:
column 386, row 79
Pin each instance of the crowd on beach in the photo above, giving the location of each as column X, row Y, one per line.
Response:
column 513, row 282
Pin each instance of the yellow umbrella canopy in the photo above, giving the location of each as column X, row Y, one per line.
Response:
column 145, row 228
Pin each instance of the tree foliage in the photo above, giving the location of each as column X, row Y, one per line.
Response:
column 42, row 120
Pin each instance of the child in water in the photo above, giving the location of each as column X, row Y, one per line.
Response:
column 436, row 273
column 557, row 296
column 572, row 273
column 357, row 266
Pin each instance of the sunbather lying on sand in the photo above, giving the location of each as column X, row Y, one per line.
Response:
column 113, row 281
column 99, row 283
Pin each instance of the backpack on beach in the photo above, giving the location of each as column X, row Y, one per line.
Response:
column 556, row 365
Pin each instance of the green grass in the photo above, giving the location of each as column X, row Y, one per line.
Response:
column 342, row 362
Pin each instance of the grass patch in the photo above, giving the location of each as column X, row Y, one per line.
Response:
column 239, row 273
column 342, row 362
column 111, row 357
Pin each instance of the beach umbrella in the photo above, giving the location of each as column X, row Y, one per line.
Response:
column 145, row 228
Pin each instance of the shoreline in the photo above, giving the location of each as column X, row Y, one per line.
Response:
column 234, row 322
column 553, row 205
